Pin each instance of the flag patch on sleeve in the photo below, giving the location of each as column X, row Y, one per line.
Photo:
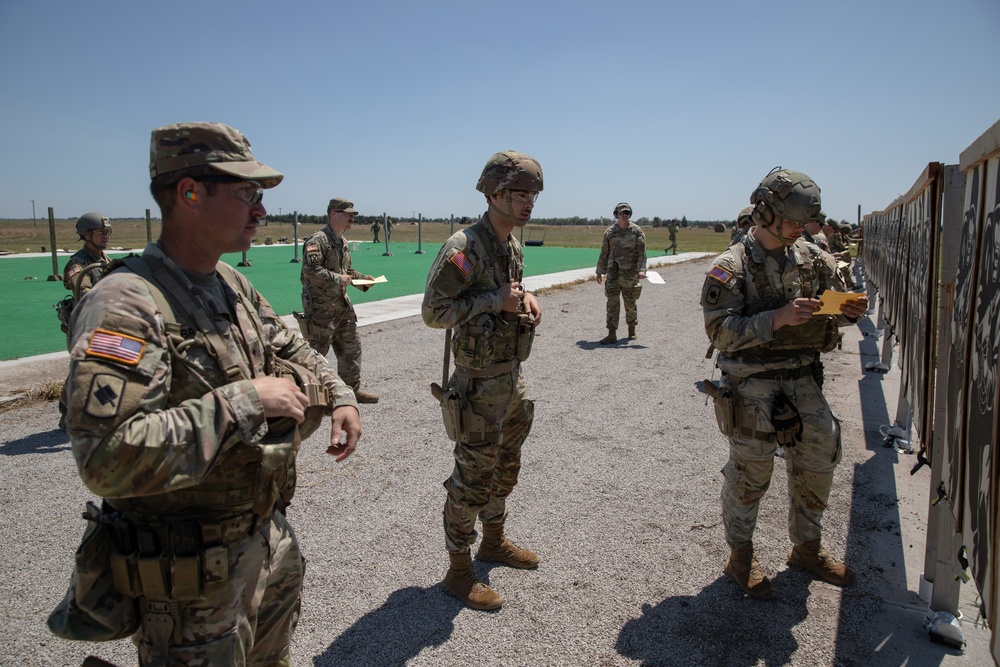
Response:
column 459, row 259
column 312, row 247
column 720, row 274
column 116, row 346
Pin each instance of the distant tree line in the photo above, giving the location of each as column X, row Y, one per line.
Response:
column 575, row 221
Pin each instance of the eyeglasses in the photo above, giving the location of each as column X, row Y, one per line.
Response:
column 625, row 213
column 251, row 193
column 524, row 196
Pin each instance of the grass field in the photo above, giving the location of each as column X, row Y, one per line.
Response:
column 22, row 236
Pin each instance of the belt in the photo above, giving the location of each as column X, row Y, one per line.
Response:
column 492, row 370
column 212, row 530
column 779, row 373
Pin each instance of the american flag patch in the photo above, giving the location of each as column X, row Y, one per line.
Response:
column 312, row 247
column 115, row 346
column 720, row 274
column 461, row 261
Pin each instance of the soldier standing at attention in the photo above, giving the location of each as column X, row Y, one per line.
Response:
column 181, row 422
column 758, row 299
column 623, row 260
column 474, row 287
column 376, row 226
column 329, row 313
column 95, row 232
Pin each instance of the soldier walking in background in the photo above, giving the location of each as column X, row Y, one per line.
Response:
column 329, row 314
column 623, row 260
column 183, row 423
column 672, row 231
column 759, row 300
column 474, row 287
column 376, row 227
column 388, row 229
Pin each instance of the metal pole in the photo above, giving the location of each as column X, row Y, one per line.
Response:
column 295, row 237
column 52, row 240
column 385, row 231
column 420, row 237
column 34, row 223
column 149, row 228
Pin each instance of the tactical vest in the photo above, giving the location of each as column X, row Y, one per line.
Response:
column 494, row 341
column 820, row 334
column 243, row 477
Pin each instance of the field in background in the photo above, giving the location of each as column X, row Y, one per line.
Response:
column 22, row 236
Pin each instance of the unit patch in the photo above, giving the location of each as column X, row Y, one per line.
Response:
column 712, row 294
column 116, row 347
column 105, row 396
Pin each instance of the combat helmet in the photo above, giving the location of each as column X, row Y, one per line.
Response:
column 622, row 206
column 789, row 194
column 92, row 221
column 510, row 170
column 745, row 217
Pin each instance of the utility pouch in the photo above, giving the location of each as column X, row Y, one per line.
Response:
column 319, row 401
column 64, row 309
column 786, row 420
column 476, row 343
column 525, row 336
column 726, row 403
column 93, row 609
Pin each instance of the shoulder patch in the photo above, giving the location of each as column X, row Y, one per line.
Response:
column 116, row 347
column 310, row 247
column 720, row 274
column 458, row 258
column 73, row 270
column 105, row 396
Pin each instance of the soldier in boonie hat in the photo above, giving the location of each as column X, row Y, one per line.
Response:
column 341, row 205
column 222, row 148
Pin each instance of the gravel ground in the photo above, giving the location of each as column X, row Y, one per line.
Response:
column 619, row 494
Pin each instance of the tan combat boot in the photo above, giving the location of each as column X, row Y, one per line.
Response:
column 612, row 337
column 814, row 557
column 631, row 332
column 365, row 397
column 496, row 548
column 461, row 582
column 743, row 567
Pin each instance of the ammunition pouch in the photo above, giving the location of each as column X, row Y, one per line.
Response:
column 490, row 339
column 786, row 420
column 93, row 608
column 820, row 334
column 319, row 396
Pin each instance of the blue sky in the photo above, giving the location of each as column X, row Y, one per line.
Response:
column 679, row 108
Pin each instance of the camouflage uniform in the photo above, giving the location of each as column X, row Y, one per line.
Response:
column 327, row 307
column 623, row 257
column 739, row 311
column 181, row 449
column 672, row 232
column 83, row 258
column 818, row 239
column 376, row 226
column 463, row 293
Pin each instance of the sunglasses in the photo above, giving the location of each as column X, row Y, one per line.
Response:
column 249, row 195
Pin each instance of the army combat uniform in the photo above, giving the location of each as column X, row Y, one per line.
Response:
column 168, row 429
column 330, row 316
column 81, row 259
column 463, row 293
column 741, row 292
column 623, row 257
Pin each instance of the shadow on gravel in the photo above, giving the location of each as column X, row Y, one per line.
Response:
column 719, row 626
column 37, row 443
column 622, row 343
column 409, row 621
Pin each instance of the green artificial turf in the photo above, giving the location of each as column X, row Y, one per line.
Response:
column 29, row 325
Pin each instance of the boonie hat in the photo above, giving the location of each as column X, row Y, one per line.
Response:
column 341, row 205
column 225, row 149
